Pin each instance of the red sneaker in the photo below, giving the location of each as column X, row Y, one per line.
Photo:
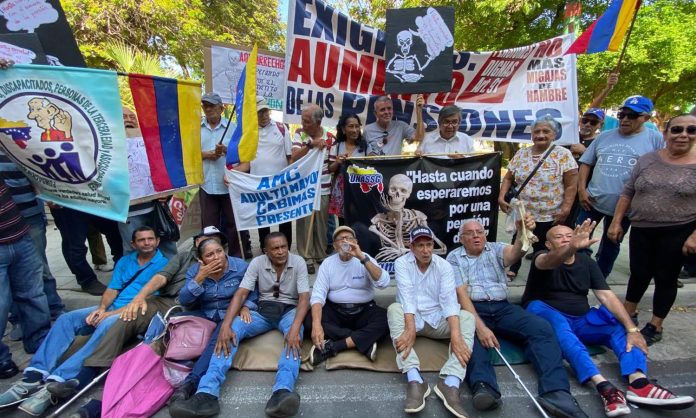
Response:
column 614, row 402
column 655, row 395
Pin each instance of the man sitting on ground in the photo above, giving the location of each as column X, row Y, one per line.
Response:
column 557, row 288
column 479, row 271
column 45, row 381
column 283, row 303
column 343, row 306
column 427, row 306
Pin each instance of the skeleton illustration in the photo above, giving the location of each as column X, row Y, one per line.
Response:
column 393, row 227
column 405, row 66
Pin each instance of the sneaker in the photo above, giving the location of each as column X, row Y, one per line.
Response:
column 560, row 403
column 372, row 354
column 18, row 392
column 62, row 390
column 104, row 267
column 317, row 356
column 651, row 334
column 38, row 403
column 450, row 397
column 485, row 398
column 200, row 405
column 655, row 395
column 8, row 369
column 16, row 334
column 283, row 403
column 95, row 288
column 183, row 392
column 415, row 396
column 614, row 402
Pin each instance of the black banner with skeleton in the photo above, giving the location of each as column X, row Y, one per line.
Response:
column 419, row 49
column 385, row 198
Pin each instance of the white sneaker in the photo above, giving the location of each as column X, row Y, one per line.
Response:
column 104, row 267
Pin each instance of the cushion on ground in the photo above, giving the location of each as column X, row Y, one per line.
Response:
column 261, row 353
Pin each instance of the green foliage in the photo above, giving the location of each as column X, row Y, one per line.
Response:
column 172, row 28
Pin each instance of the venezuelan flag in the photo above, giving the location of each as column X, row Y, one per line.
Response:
column 245, row 138
column 607, row 32
column 170, row 118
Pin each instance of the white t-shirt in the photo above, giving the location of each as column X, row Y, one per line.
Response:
column 460, row 143
column 345, row 282
column 272, row 152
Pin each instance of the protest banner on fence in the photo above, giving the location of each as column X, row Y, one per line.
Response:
column 261, row 201
column 64, row 128
column 224, row 62
column 339, row 64
column 385, row 198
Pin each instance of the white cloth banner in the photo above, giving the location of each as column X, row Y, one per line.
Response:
column 339, row 64
column 261, row 201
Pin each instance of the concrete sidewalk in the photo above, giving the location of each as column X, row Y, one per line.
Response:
column 349, row 393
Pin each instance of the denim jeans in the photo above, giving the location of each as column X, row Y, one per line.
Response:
column 597, row 326
column 21, row 285
column 608, row 250
column 540, row 346
column 288, row 368
column 72, row 226
column 37, row 231
column 168, row 248
column 62, row 334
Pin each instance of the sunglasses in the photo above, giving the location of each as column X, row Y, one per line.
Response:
column 385, row 139
column 276, row 290
column 630, row 115
column 676, row 130
column 593, row 122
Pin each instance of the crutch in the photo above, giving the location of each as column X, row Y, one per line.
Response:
column 78, row 394
column 543, row 413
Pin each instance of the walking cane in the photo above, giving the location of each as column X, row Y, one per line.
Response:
column 543, row 413
column 78, row 394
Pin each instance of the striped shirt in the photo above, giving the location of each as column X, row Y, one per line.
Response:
column 301, row 139
column 20, row 187
column 12, row 225
column 484, row 275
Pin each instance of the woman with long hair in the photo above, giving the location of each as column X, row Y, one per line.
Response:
column 349, row 143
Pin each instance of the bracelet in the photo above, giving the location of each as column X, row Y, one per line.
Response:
column 364, row 260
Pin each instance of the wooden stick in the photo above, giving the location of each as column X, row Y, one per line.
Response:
column 309, row 233
column 443, row 154
column 628, row 38
column 162, row 194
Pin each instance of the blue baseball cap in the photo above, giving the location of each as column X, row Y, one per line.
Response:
column 596, row 112
column 420, row 232
column 638, row 104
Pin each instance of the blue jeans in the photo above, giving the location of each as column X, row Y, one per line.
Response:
column 288, row 368
column 608, row 250
column 37, row 231
column 62, row 334
column 540, row 346
column 21, row 286
column 168, row 248
column 598, row 326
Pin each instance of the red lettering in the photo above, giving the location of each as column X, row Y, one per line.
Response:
column 325, row 69
column 299, row 63
column 378, row 86
column 354, row 73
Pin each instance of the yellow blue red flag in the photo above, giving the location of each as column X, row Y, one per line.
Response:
column 245, row 138
column 607, row 32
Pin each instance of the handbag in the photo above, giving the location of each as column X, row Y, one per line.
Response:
column 187, row 337
column 513, row 191
column 163, row 222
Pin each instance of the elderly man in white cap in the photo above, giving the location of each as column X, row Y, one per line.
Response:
column 272, row 156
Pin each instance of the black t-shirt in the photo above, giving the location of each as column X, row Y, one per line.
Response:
column 565, row 288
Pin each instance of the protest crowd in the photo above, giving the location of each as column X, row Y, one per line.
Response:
column 209, row 296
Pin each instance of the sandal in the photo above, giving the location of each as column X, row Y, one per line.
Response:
column 511, row 275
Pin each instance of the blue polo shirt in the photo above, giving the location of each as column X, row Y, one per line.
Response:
column 125, row 269
column 212, row 297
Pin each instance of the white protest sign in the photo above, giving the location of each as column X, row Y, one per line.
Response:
column 27, row 14
column 261, row 201
column 17, row 54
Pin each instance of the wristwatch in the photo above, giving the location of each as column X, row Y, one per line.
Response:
column 365, row 260
column 634, row 329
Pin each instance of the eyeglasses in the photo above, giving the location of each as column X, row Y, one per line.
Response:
column 676, row 130
column 629, row 115
column 592, row 122
column 351, row 239
column 474, row 233
column 450, row 123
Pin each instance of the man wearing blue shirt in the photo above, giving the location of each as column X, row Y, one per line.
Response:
column 131, row 273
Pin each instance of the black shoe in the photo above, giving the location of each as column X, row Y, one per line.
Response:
column 317, row 356
column 91, row 410
column 283, row 403
column 485, row 398
column 651, row 334
column 560, row 403
column 183, row 392
column 95, row 288
column 200, row 405
column 62, row 390
column 310, row 268
column 8, row 369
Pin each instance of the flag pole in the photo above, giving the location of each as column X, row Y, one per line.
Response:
column 628, row 38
